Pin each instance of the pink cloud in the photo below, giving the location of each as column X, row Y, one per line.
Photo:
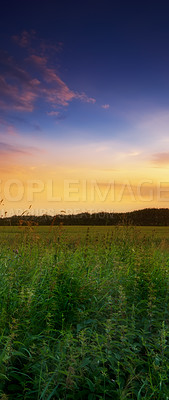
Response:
column 38, row 60
column 105, row 106
column 83, row 97
column 7, row 149
column 58, row 96
column 24, row 40
column 161, row 159
column 27, row 38
column 7, row 128
column 21, row 89
column 26, row 101
column 17, row 98
column 53, row 113
column 59, row 93
column 9, row 152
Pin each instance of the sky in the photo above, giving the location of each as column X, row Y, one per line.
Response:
column 84, row 106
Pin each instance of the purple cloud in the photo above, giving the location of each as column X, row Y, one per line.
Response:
column 22, row 86
column 105, row 106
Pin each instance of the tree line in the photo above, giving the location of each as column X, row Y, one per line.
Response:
column 145, row 217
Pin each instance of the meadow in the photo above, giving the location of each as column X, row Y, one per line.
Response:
column 84, row 313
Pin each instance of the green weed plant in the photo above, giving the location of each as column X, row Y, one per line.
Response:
column 84, row 315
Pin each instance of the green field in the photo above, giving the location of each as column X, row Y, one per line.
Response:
column 78, row 233
column 84, row 313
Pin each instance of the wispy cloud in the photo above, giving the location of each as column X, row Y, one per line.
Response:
column 30, row 40
column 105, row 106
column 56, row 92
column 83, row 97
column 53, row 113
column 25, row 39
column 6, row 148
column 7, row 128
column 18, row 153
column 40, row 61
column 161, row 159
column 18, row 90
column 34, row 79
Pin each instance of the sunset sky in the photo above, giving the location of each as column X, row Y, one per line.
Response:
column 84, row 106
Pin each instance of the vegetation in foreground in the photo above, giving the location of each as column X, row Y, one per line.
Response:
column 84, row 319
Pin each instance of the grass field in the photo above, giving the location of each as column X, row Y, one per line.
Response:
column 78, row 233
column 84, row 313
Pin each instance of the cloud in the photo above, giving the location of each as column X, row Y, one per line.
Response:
column 53, row 113
column 83, row 97
column 29, row 40
column 9, row 69
column 25, row 39
column 34, row 79
column 7, row 128
column 18, row 90
column 105, row 106
column 161, row 159
column 8, row 125
column 9, row 151
column 57, row 115
column 57, row 92
column 15, row 98
column 6, row 148
column 40, row 61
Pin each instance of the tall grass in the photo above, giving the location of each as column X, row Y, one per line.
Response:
column 84, row 319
